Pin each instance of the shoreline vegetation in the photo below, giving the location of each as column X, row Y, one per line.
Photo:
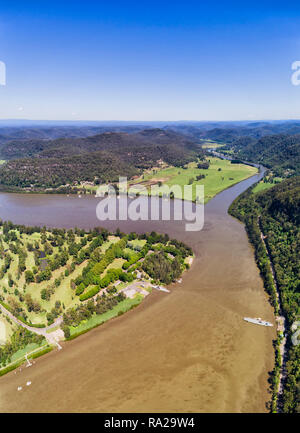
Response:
column 57, row 284
column 95, row 321
column 214, row 173
column 264, row 265
column 271, row 219
column 270, row 212
column 29, row 356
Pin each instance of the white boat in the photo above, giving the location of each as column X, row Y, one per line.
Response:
column 258, row 321
column 161, row 289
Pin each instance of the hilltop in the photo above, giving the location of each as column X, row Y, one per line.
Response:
column 100, row 158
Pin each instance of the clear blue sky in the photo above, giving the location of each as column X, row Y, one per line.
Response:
column 149, row 60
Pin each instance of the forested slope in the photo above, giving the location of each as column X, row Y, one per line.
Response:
column 279, row 152
column 39, row 164
column 279, row 212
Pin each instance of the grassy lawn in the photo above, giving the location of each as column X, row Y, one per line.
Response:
column 99, row 319
column 29, row 348
column 10, row 327
column 262, row 186
column 220, row 175
column 63, row 293
column 111, row 240
column 129, row 251
column 137, row 243
column 116, row 264
column 3, row 336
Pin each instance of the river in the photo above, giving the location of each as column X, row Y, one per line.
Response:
column 186, row 351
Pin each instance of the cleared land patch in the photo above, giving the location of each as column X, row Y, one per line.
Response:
column 220, row 175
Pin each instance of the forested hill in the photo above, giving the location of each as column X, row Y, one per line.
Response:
column 156, row 139
column 52, row 131
column 43, row 173
column 279, row 152
column 279, row 211
column 282, row 202
column 254, row 130
column 51, row 163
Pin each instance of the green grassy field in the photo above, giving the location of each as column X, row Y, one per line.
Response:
column 2, row 332
column 111, row 240
column 129, row 251
column 6, row 329
column 96, row 320
column 220, row 175
column 18, row 358
column 209, row 144
column 29, row 348
column 116, row 264
column 262, row 186
column 137, row 243
column 63, row 293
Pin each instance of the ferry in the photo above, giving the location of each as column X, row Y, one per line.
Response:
column 258, row 321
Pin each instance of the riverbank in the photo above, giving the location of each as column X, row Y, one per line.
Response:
column 279, row 371
column 250, row 212
column 196, row 352
column 219, row 175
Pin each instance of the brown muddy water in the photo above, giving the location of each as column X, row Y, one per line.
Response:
column 187, row 351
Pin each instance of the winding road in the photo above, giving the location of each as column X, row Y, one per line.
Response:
column 51, row 337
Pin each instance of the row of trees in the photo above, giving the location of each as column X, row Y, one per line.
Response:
column 104, row 303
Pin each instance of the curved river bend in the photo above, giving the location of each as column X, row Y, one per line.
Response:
column 187, row 351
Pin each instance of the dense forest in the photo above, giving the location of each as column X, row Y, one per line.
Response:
column 277, row 213
column 53, row 172
column 39, row 164
column 279, row 152
column 254, row 130
column 157, row 140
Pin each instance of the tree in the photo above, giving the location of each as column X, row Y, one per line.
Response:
column 29, row 277
column 66, row 331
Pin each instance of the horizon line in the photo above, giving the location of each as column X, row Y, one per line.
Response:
column 2, row 120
